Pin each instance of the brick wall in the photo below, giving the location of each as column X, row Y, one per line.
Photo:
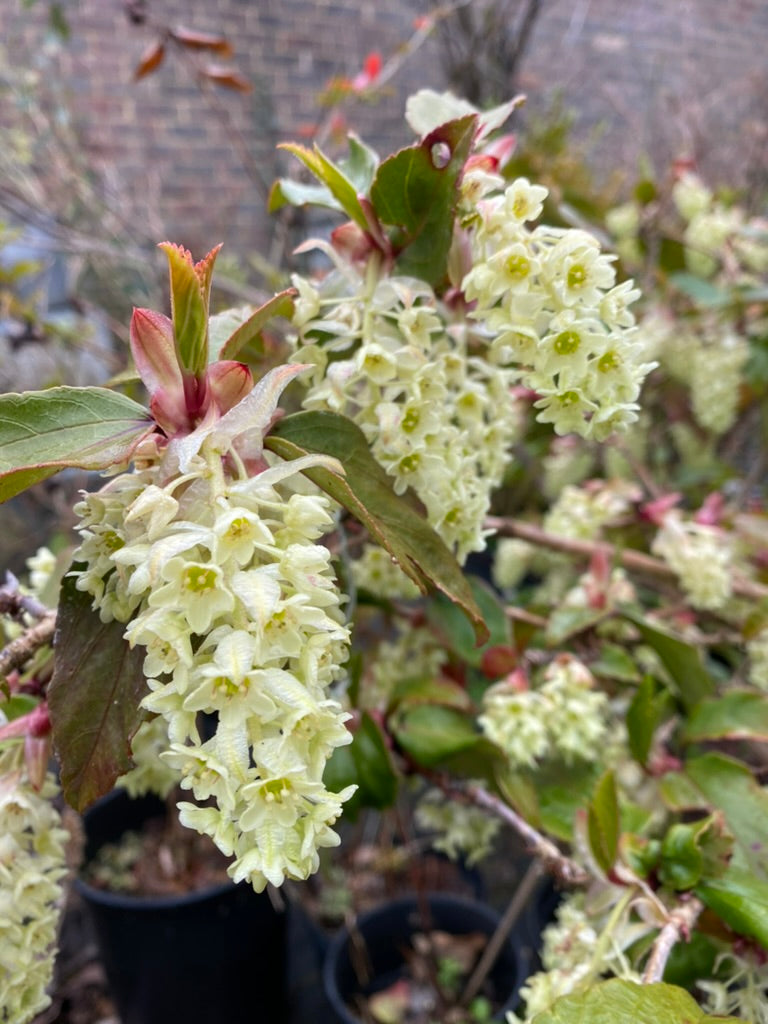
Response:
column 668, row 77
column 660, row 78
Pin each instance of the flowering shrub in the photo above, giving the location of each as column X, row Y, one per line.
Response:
column 461, row 372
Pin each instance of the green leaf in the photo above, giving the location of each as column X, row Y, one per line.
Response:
column 644, row 716
column 690, row 852
column 233, row 329
column 366, row 763
column 189, row 307
column 416, row 192
column 17, row 705
column 729, row 786
column 567, row 622
column 603, row 824
column 520, row 793
column 455, row 630
column 330, row 174
column 562, row 791
column 682, row 660
column 614, row 662
column 624, row 1002
column 689, row 961
column 703, row 293
column 42, row 432
column 679, row 793
column 394, row 522
column 431, row 735
column 741, row 900
column 286, row 192
column 93, row 698
column 410, row 691
column 360, row 166
column 740, row 714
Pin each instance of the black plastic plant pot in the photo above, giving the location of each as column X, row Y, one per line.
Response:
column 212, row 956
column 386, row 932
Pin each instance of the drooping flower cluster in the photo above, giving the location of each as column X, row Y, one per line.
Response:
column 566, row 716
column 413, row 654
column 569, row 954
column 375, row 570
column 221, row 579
column 715, row 232
column 701, row 556
column 741, row 988
column 511, row 559
column 462, row 830
column 150, row 773
column 32, row 867
column 582, row 512
column 549, row 302
column 709, row 362
column 439, row 418
column 757, row 649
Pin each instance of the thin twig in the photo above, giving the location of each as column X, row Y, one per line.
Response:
column 18, row 652
column 516, row 905
column 679, row 923
column 635, row 561
column 15, row 603
column 553, row 859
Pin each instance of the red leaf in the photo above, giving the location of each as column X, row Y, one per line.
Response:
column 153, row 347
column 227, row 78
column 151, row 59
column 202, row 41
column 94, row 698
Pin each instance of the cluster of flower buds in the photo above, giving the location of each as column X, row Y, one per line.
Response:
column 439, row 418
column 548, row 301
column 570, row 945
column 565, row 716
column 219, row 576
column 710, row 362
column 701, row 555
column 461, row 829
column 32, row 867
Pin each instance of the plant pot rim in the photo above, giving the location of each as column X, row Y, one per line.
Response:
column 409, row 902
column 125, row 899
column 122, row 898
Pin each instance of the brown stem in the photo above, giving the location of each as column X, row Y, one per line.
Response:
column 553, row 859
column 516, row 905
column 18, row 652
column 636, row 561
column 16, row 604
column 679, row 923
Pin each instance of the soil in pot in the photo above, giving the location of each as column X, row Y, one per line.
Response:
column 408, row 962
column 359, row 878
column 180, row 941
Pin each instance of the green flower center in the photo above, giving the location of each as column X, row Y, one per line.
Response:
column 568, row 398
column 577, row 275
column 238, row 528
column 566, row 343
column 607, row 362
column 198, row 579
column 227, row 686
column 276, row 790
column 520, row 206
column 518, row 265
column 112, row 541
column 409, row 464
column 411, row 420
